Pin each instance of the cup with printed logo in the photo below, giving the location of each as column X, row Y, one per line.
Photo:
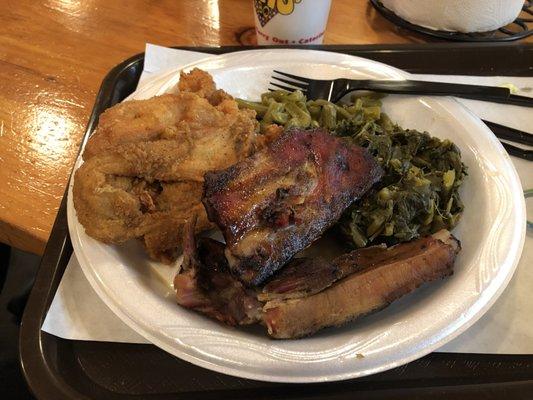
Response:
column 293, row 22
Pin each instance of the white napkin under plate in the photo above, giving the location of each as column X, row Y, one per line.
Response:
column 77, row 312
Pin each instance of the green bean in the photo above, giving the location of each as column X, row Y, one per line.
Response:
column 370, row 102
column 291, row 109
column 314, row 110
column 342, row 112
column 259, row 108
column 273, row 108
column 372, row 112
column 300, row 118
column 280, row 117
column 296, row 96
column 278, row 95
column 302, row 106
column 386, row 123
column 321, row 102
column 328, row 116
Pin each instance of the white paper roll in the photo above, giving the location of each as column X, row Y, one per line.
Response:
column 457, row 15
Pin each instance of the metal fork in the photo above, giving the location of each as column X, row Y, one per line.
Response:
column 334, row 90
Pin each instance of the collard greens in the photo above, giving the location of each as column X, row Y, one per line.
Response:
column 419, row 192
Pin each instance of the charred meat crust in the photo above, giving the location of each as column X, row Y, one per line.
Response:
column 386, row 275
column 311, row 294
column 303, row 277
column 278, row 201
column 205, row 284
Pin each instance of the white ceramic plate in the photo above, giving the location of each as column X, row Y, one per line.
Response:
column 492, row 234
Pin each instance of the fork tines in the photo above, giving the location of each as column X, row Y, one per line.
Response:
column 296, row 82
column 294, row 77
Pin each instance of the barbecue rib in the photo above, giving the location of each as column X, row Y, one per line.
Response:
column 383, row 275
column 311, row 294
column 278, row 201
column 205, row 285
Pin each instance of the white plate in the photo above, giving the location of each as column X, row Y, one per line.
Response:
column 492, row 233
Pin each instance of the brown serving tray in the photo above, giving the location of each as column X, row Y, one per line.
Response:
column 59, row 369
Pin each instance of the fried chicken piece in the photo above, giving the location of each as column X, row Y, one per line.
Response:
column 144, row 166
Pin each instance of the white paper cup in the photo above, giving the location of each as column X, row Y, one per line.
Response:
column 290, row 21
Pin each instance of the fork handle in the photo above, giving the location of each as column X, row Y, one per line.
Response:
column 490, row 93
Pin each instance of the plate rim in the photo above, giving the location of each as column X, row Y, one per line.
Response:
column 140, row 328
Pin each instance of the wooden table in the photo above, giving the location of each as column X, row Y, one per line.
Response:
column 53, row 56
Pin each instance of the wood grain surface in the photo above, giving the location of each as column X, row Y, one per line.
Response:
column 53, row 56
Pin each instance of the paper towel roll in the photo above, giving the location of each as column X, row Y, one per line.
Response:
column 457, row 15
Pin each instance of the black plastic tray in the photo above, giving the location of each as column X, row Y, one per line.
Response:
column 63, row 369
